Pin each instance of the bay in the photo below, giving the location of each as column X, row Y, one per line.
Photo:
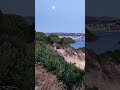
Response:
column 79, row 44
column 107, row 41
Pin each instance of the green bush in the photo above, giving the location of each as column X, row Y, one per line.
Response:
column 40, row 36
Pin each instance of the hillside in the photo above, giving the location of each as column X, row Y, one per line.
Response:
column 16, row 53
column 102, row 71
column 68, row 73
column 45, row 80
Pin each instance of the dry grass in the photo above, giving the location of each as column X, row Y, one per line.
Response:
column 46, row 81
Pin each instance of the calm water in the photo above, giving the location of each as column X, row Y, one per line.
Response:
column 79, row 44
column 108, row 41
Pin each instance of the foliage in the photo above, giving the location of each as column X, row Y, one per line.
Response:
column 1, row 16
column 14, row 21
column 45, row 80
column 114, row 55
column 82, row 49
column 41, row 36
column 66, row 41
column 90, row 36
column 16, row 53
column 53, row 38
column 67, row 73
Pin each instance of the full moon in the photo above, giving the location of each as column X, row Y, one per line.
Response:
column 53, row 7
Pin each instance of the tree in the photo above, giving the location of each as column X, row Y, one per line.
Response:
column 90, row 36
column 1, row 16
column 0, row 12
column 41, row 36
column 30, row 33
column 53, row 38
column 67, row 41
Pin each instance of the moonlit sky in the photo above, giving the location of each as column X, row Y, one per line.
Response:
column 60, row 16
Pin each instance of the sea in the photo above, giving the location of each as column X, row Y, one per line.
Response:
column 79, row 44
column 107, row 41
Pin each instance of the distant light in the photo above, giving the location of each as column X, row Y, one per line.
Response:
column 53, row 7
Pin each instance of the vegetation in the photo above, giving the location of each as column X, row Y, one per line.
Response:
column 107, row 57
column 47, row 57
column 66, row 41
column 41, row 36
column 90, row 36
column 67, row 73
column 105, row 61
column 53, row 38
column 45, row 80
column 16, row 53
column 82, row 49
column 113, row 56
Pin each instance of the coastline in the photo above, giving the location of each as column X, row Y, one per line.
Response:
column 104, row 30
column 107, row 41
column 79, row 44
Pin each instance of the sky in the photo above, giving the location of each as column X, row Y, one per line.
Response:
column 20, row 7
column 102, row 8
column 60, row 16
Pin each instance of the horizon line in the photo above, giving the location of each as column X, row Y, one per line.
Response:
column 62, row 32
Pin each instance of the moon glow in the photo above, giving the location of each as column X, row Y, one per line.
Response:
column 53, row 7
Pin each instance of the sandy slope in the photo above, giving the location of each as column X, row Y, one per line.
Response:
column 72, row 56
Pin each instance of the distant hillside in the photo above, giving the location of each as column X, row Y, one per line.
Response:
column 104, row 19
column 65, row 34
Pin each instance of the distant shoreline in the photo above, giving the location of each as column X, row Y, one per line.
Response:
column 105, row 30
